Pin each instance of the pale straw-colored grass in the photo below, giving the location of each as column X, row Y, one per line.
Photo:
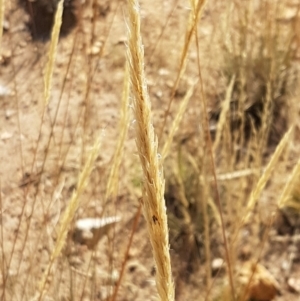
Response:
column 194, row 17
column 113, row 179
column 69, row 214
column 176, row 122
column 224, row 112
column 285, row 198
column 2, row 2
column 266, row 174
column 52, row 52
column 153, row 191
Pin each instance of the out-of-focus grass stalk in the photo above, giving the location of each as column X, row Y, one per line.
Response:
column 176, row 122
column 52, row 51
column 69, row 213
column 284, row 199
column 113, row 179
column 224, row 111
column 194, row 17
column 2, row 2
column 267, row 173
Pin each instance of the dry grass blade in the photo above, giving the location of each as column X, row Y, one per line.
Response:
column 196, row 5
column 3, row 259
column 193, row 21
column 176, row 122
column 1, row 18
column 237, row 174
column 284, row 199
column 224, row 111
column 114, row 173
column 126, row 256
column 153, row 199
column 267, row 173
column 70, row 212
column 52, row 51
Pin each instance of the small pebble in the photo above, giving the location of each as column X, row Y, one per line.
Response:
column 294, row 285
column 6, row 25
column 6, row 135
column 217, row 264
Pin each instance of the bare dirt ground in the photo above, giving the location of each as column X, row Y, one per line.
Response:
column 42, row 153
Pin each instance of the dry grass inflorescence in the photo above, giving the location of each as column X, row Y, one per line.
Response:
column 149, row 151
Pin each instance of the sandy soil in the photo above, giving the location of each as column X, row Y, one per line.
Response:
column 42, row 152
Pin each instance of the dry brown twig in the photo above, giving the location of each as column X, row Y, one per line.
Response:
column 153, row 198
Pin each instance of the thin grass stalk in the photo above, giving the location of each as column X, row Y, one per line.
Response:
column 193, row 22
column 92, row 67
column 236, row 174
column 47, row 89
column 69, row 213
column 16, row 237
column 104, row 42
column 176, row 122
column 85, row 282
column 181, row 194
column 3, row 259
column 266, row 174
column 71, row 293
column 76, row 41
column 153, row 192
column 68, row 72
column 284, row 199
column 206, row 221
column 205, row 124
column 244, row 38
column 266, row 119
column 157, row 42
column 2, row 9
column 43, row 165
column 53, row 122
column 239, row 138
column 126, row 256
column 52, row 51
column 205, row 201
column 44, row 232
column 58, row 286
column 89, row 76
column 224, row 111
column 113, row 178
column 47, row 148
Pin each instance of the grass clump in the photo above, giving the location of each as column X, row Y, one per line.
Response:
column 259, row 49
